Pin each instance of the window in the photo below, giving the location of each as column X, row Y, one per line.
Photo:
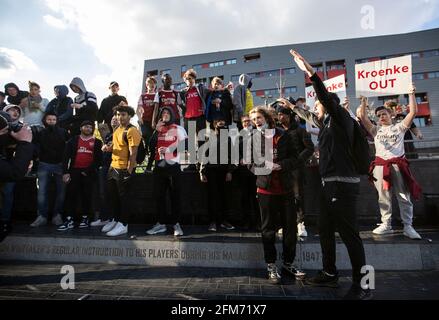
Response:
column 431, row 53
column 416, row 55
column 317, row 67
column 183, row 69
column 420, row 122
column 335, row 65
column 418, row 76
column 179, row 86
column 433, row 75
column 152, row 73
column 234, row 78
column 197, row 66
column 231, row 61
column 252, row 57
column 290, row 71
column 201, row 80
column 290, row 90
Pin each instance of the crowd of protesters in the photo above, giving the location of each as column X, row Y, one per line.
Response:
column 92, row 150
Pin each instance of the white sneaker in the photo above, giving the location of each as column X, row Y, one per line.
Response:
column 99, row 223
column 118, row 230
column 301, row 231
column 410, row 232
column 158, row 228
column 40, row 221
column 109, row 226
column 177, row 230
column 57, row 220
column 383, row 229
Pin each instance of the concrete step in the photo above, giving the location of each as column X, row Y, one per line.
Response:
column 198, row 248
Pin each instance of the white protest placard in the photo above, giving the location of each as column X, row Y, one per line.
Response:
column 383, row 77
column 336, row 85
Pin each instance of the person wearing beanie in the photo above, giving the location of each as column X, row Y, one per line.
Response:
column 34, row 106
column 14, row 94
column 106, row 111
column 85, row 106
column 305, row 147
column 81, row 161
column 2, row 100
column 168, row 139
column 61, row 106
column 126, row 142
column 51, row 142
column 218, row 175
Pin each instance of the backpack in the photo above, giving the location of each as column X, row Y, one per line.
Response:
column 360, row 151
column 141, row 150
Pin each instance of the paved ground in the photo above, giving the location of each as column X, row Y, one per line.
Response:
column 20, row 280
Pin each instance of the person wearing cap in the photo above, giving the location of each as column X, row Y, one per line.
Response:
column 82, row 158
column 305, row 147
column 2, row 100
column 15, row 112
column 85, row 106
column 218, row 174
column 106, row 111
column 168, row 139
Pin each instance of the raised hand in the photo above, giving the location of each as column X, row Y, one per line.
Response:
column 302, row 63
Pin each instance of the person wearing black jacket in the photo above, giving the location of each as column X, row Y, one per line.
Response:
column 14, row 94
column 15, row 167
column 2, row 100
column 82, row 159
column 340, row 184
column 304, row 145
column 61, row 107
column 108, row 105
column 85, row 106
column 274, row 160
column 51, row 142
column 218, row 175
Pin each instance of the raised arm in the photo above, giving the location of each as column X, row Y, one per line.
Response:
column 413, row 107
column 363, row 115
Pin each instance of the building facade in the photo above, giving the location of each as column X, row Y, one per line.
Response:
column 273, row 70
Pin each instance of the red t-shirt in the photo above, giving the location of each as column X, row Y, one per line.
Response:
column 169, row 99
column 194, row 106
column 148, row 106
column 275, row 183
column 84, row 153
column 169, row 136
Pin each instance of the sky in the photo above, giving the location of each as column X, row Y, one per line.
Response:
column 52, row 41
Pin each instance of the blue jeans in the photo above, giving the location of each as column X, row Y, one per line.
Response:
column 45, row 172
column 8, row 201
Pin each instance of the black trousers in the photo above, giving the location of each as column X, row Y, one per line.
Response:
column 118, row 182
column 278, row 211
column 167, row 179
column 200, row 125
column 338, row 211
column 80, row 186
column 217, row 188
column 298, row 185
column 249, row 203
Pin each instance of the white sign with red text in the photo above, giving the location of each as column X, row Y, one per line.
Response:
column 383, row 77
column 336, row 85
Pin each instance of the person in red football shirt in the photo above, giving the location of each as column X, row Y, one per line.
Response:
column 167, row 97
column 82, row 158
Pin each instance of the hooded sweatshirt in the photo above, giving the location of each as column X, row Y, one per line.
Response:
column 16, row 99
column 61, row 107
column 240, row 96
column 89, row 110
column 51, row 143
column 105, row 112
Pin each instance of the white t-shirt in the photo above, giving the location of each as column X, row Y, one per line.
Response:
column 389, row 140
